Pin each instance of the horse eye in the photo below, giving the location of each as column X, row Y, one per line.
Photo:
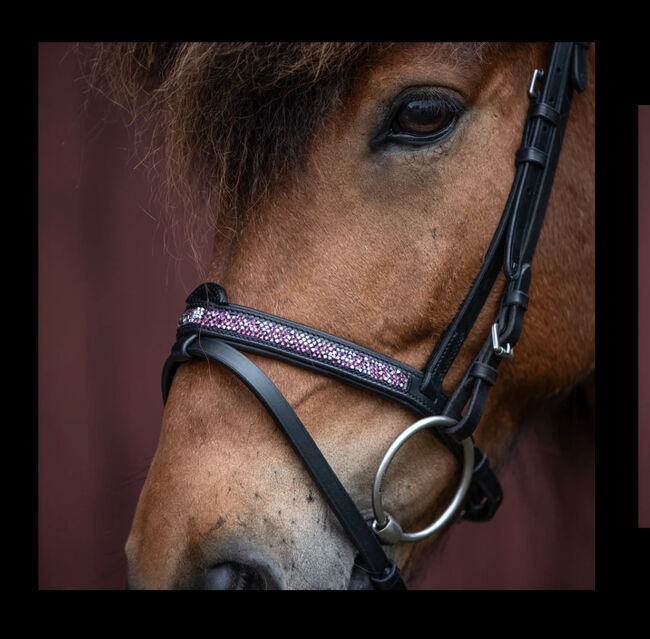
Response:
column 422, row 117
column 418, row 118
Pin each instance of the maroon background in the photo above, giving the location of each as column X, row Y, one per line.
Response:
column 100, row 255
column 644, row 317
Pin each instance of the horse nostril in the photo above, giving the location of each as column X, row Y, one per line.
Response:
column 234, row 576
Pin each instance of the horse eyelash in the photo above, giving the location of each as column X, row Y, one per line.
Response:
column 444, row 100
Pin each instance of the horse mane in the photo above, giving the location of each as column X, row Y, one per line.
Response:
column 223, row 124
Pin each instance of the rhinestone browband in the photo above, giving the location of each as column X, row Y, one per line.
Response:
column 319, row 349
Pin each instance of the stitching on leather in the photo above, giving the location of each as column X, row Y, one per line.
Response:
column 452, row 345
column 424, row 405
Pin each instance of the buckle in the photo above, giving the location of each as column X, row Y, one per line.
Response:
column 506, row 352
column 537, row 74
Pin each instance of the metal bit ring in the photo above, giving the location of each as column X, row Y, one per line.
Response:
column 385, row 527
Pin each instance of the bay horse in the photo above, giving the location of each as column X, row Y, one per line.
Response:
column 354, row 188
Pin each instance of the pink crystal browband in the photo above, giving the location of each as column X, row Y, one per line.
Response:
column 299, row 342
column 255, row 331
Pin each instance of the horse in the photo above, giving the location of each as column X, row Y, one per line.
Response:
column 355, row 188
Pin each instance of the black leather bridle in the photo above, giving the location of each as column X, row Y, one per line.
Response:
column 213, row 328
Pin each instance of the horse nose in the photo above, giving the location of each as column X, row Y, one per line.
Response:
column 237, row 576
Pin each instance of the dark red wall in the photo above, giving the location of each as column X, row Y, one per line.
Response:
column 109, row 299
column 644, row 316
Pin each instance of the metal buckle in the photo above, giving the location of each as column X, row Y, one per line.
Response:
column 384, row 526
column 508, row 352
column 537, row 73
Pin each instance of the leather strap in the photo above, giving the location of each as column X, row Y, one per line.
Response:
column 513, row 243
column 209, row 313
column 383, row 570
column 265, row 334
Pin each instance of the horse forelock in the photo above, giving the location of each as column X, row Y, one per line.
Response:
column 231, row 121
column 228, row 120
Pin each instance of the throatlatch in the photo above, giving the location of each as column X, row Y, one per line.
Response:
column 213, row 328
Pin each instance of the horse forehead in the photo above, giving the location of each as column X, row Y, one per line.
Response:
column 455, row 56
column 462, row 65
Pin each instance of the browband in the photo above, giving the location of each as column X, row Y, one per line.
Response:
column 257, row 332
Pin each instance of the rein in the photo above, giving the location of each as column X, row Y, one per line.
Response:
column 213, row 328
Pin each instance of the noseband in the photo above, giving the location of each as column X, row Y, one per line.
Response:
column 213, row 328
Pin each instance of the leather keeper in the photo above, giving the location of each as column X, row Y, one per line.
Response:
column 484, row 372
column 544, row 111
column 517, row 297
column 531, row 154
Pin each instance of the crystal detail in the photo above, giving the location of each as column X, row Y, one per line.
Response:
column 296, row 341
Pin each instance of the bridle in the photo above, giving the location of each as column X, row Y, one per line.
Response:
column 211, row 328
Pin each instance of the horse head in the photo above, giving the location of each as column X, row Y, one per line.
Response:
column 356, row 189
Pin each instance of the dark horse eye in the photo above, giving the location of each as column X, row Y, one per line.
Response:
column 422, row 117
